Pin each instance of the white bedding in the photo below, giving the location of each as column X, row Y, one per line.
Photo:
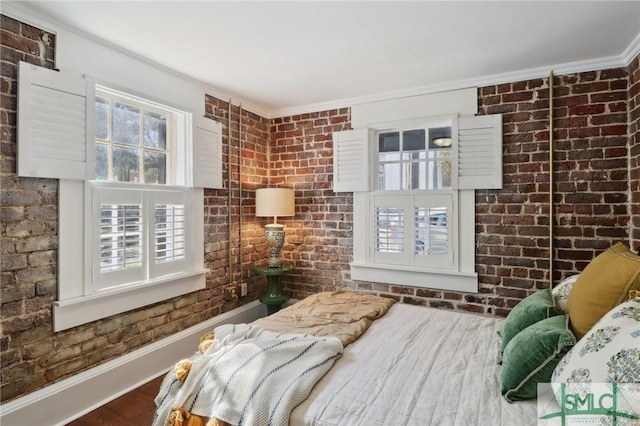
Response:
column 417, row 366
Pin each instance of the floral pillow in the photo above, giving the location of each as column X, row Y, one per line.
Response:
column 561, row 292
column 608, row 353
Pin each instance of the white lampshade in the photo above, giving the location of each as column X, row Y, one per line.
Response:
column 274, row 202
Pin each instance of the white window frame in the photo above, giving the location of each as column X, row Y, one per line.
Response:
column 461, row 276
column 78, row 303
column 175, row 119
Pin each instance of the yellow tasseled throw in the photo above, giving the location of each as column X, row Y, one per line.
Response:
column 216, row 422
column 182, row 369
column 177, row 417
column 207, row 336
column 181, row 417
column 194, row 420
column 205, row 341
column 204, row 345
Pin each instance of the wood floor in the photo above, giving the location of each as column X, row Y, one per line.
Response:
column 135, row 408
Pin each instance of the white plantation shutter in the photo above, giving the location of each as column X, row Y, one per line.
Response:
column 119, row 226
column 55, row 124
column 351, row 160
column 207, row 154
column 168, row 232
column 479, row 152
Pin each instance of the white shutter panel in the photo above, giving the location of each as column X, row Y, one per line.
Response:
column 351, row 160
column 479, row 152
column 207, row 154
column 55, row 124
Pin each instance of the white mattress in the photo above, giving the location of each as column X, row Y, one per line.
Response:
column 417, row 366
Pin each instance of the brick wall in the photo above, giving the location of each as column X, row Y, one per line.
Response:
column 634, row 149
column 32, row 356
column 319, row 238
column 590, row 118
column 255, row 136
column 590, row 162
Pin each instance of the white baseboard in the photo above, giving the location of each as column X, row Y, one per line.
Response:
column 69, row 399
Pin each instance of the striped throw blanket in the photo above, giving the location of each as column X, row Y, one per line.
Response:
column 249, row 376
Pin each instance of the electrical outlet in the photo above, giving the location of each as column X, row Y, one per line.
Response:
column 243, row 289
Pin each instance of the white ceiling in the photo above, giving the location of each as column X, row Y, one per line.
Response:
column 286, row 57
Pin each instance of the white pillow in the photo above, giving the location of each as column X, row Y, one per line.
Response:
column 609, row 352
column 561, row 292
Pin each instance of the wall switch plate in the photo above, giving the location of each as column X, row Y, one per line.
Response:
column 243, row 289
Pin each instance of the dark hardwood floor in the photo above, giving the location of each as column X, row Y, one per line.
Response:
column 135, row 408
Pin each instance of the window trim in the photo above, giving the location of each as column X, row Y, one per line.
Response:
column 202, row 160
column 462, row 275
column 175, row 138
column 74, row 305
column 147, row 196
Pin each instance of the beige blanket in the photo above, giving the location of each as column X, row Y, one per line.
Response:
column 341, row 314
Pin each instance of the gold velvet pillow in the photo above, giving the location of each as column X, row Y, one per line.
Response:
column 604, row 284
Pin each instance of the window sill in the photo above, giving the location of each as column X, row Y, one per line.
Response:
column 416, row 277
column 81, row 310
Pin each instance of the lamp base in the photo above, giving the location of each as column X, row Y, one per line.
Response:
column 274, row 234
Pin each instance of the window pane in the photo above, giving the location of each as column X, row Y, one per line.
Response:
column 413, row 140
column 120, row 237
column 389, row 142
column 102, row 119
column 431, row 231
column 440, row 171
column 389, row 232
column 155, row 167
column 414, row 176
column 126, row 164
column 155, row 131
column 102, row 161
column 389, row 176
column 169, row 240
column 389, row 156
column 126, row 124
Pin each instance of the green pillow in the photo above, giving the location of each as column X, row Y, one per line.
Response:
column 532, row 355
column 530, row 310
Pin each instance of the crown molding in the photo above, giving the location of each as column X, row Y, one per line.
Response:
column 632, row 51
column 490, row 80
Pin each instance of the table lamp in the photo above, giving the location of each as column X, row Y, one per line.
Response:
column 274, row 202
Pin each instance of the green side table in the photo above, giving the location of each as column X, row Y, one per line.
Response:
column 274, row 297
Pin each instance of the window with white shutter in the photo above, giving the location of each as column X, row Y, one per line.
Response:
column 419, row 209
column 131, row 173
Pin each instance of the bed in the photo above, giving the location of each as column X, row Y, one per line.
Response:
column 411, row 366
column 417, row 366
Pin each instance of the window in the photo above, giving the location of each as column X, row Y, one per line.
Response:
column 417, row 202
column 139, row 229
column 131, row 201
column 133, row 141
column 413, row 184
column 414, row 159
